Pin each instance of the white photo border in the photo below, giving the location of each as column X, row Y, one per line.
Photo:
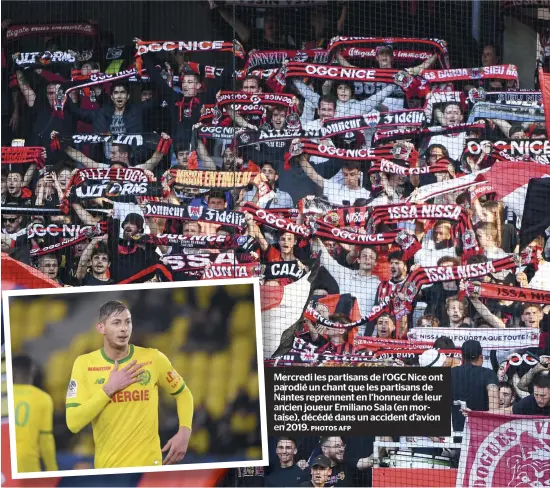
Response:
column 6, row 295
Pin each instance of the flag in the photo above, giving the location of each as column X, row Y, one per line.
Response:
column 536, row 217
column 544, row 82
column 505, row 450
column 510, row 179
column 281, row 306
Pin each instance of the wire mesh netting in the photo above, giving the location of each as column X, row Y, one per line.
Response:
column 382, row 167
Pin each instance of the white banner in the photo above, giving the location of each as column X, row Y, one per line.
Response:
column 500, row 339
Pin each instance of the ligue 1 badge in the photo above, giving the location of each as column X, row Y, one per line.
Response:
column 293, row 121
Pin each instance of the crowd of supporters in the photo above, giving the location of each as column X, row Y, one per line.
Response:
column 370, row 185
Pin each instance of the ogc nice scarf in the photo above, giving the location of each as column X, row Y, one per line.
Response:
column 386, row 166
column 237, row 243
column 143, row 47
column 511, row 293
column 201, row 214
column 337, row 73
column 23, row 155
column 80, row 235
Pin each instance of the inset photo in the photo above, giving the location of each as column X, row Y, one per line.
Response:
column 135, row 378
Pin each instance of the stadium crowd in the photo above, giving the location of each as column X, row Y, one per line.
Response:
column 385, row 196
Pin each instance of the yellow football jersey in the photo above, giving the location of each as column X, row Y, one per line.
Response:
column 126, row 427
column 33, row 410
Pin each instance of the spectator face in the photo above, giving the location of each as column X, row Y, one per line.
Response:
column 251, row 86
column 216, row 203
column 79, row 248
column 484, row 238
column 428, row 323
column 271, row 27
column 51, row 91
column 229, row 158
column 190, row 86
column 531, row 317
column 334, row 449
column 182, row 157
column 286, row 450
column 384, row 58
column 520, row 134
column 396, row 180
column 435, row 155
column 441, row 233
column 455, row 310
column 351, row 178
column 442, row 176
column 269, row 173
column 488, row 56
column 49, row 266
column 385, row 327
column 505, row 396
column 87, row 68
column 278, row 119
column 117, row 329
column 286, row 242
column 63, row 177
column 452, row 115
column 119, row 155
column 502, row 370
column 4, row 185
column 191, row 229
column 120, row 97
column 11, row 223
column 14, row 183
column 367, row 259
column 146, row 95
column 130, row 229
column 344, row 93
column 100, row 264
column 222, row 232
column 320, row 475
column 542, row 396
column 326, row 110
column 397, row 269
column 60, row 219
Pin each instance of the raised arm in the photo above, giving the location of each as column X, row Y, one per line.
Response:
column 241, row 29
column 26, row 89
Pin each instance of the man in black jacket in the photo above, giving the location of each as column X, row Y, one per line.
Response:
column 288, row 473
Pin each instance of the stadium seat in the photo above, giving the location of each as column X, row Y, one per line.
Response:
column 203, row 296
column 56, row 311
column 238, row 291
column 180, row 296
column 242, row 318
column 253, row 387
column 178, row 332
column 200, row 441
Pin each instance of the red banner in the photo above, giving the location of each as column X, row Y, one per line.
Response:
column 505, row 450
column 544, row 81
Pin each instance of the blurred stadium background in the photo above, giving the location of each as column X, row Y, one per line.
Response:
column 207, row 332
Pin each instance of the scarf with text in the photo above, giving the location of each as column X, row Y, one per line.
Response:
column 70, row 236
column 93, row 80
column 200, row 213
column 275, row 58
column 19, row 31
column 437, row 45
column 518, row 149
column 337, row 73
column 405, row 296
column 508, row 293
column 283, row 270
column 499, row 72
column 216, row 179
column 41, row 60
column 437, row 97
column 401, row 55
column 224, row 271
column 144, row 47
column 385, row 136
column 415, row 353
column 386, row 166
column 237, row 243
column 515, row 113
column 526, row 98
column 324, row 150
column 243, row 98
column 342, row 125
column 23, row 155
column 378, row 343
column 150, row 140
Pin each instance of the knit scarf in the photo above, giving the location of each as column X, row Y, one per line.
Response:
column 23, row 155
column 509, row 293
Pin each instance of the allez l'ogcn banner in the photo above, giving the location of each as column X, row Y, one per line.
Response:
column 505, row 450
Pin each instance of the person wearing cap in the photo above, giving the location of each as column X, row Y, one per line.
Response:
column 287, row 473
column 320, row 472
column 473, row 384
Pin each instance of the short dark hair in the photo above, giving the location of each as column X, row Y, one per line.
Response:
column 515, row 128
column 217, row 194
column 542, row 380
column 449, row 104
column 122, row 84
column 529, row 305
column 328, row 99
column 23, row 369
column 324, row 440
column 123, row 148
column 448, row 259
column 352, row 165
column 101, row 248
column 504, row 384
column 398, row 255
column 495, row 48
column 226, row 228
column 286, row 438
column 109, row 308
column 270, row 163
column 252, row 77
